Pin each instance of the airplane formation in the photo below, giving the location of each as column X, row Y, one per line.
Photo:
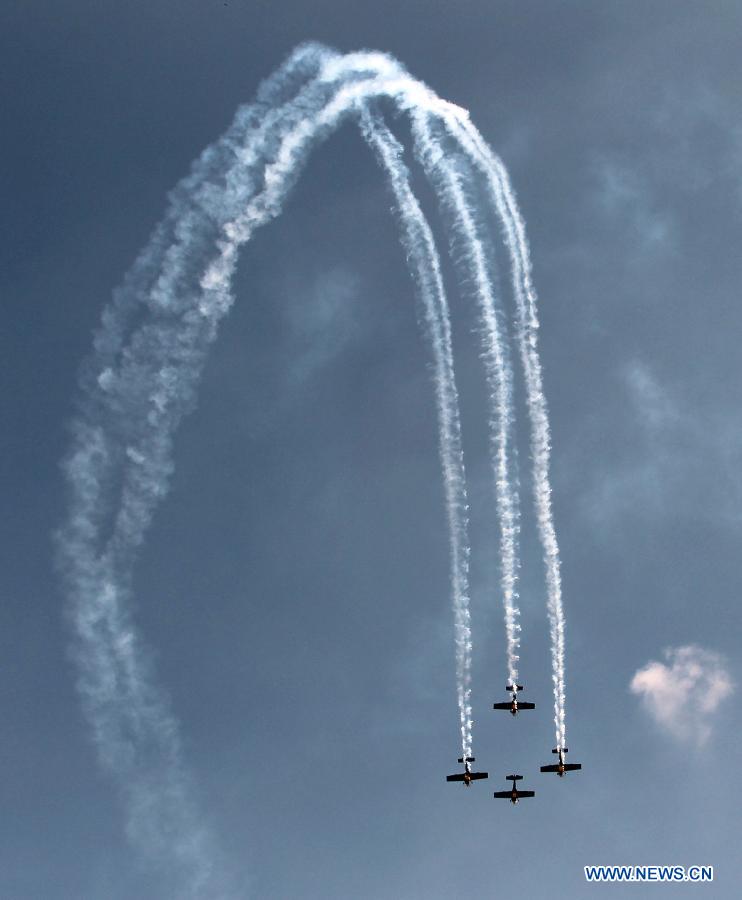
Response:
column 514, row 706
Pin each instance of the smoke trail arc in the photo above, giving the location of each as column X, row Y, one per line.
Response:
column 447, row 178
column 141, row 380
column 506, row 207
column 424, row 262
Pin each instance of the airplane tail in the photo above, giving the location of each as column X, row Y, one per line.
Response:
column 513, row 687
column 556, row 750
column 468, row 759
column 513, row 778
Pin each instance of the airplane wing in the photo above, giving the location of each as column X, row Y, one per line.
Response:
column 549, row 768
column 503, row 795
column 525, row 705
column 526, row 794
column 572, row 767
column 459, row 777
column 476, row 775
column 502, row 705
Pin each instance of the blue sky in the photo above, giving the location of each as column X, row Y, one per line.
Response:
column 293, row 588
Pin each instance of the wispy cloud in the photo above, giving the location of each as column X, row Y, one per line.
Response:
column 683, row 693
column 647, row 471
column 624, row 195
column 681, row 459
column 653, row 402
column 323, row 319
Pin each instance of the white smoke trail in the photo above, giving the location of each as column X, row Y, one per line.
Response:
column 457, row 124
column 135, row 388
column 416, row 98
column 505, row 204
column 424, row 263
column 443, row 174
column 141, row 380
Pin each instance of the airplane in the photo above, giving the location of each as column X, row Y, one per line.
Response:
column 514, row 704
column 561, row 767
column 513, row 795
column 467, row 776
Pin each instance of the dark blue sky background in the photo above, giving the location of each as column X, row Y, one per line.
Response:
column 294, row 586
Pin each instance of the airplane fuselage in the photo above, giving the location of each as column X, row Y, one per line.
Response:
column 560, row 765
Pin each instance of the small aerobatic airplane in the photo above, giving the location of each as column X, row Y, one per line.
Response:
column 514, row 704
column 467, row 776
column 513, row 795
column 561, row 767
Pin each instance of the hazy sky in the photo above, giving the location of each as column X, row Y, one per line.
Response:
column 294, row 587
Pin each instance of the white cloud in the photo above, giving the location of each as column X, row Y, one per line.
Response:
column 683, row 693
